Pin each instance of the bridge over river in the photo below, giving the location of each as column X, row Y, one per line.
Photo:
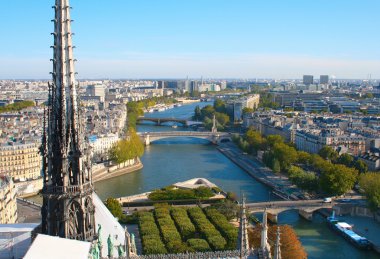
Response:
column 213, row 137
column 160, row 121
column 306, row 208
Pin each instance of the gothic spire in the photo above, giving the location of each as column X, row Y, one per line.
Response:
column 68, row 209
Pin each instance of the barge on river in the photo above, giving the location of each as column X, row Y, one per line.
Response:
column 345, row 230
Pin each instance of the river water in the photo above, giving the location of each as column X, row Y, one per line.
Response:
column 174, row 160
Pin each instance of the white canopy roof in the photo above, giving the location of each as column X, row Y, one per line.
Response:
column 47, row 247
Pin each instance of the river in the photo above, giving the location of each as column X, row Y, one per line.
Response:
column 173, row 160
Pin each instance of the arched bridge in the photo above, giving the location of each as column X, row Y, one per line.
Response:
column 214, row 137
column 304, row 207
column 159, row 121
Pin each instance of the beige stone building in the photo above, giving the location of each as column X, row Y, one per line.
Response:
column 8, row 203
column 20, row 161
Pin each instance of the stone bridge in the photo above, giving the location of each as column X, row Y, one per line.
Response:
column 305, row 208
column 213, row 137
column 159, row 121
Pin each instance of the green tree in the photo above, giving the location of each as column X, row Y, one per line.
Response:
column 304, row 157
column 114, row 207
column 328, row 153
column 222, row 118
column 276, row 166
column 370, row 183
column 197, row 113
column 220, row 106
column 254, row 139
column 345, row 159
column 285, row 154
column 273, row 139
column 338, row 179
column 207, row 111
column 304, row 180
column 361, row 166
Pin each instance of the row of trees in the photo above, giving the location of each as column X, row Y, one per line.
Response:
column 18, row 106
column 370, row 183
column 171, row 193
column 135, row 109
column 206, row 114
column 331, row 174
column 127, row 149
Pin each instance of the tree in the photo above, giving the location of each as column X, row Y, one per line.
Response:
column 345, row 159
column 285, row 154
column 254, row 139
column 126, row 149
column 338, row 179
column 370, row 183
column 207, row 111
column 197, row 113
column 273, row 139
column 222, row 118
column 276, row 166
column 220, row 106
column 303, row 157
column 228, row 208
column 291, row 247
column 114, row 207
column 304, row 180
column 361, row 166
column 328, row 153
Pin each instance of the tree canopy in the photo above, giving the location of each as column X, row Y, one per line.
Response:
column 370, row 183
column 127, row 149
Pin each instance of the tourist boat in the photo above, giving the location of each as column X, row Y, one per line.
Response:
column 345, row 230
column 174, row 126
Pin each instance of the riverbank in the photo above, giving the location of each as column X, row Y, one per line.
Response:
column 111, row 172
column 280, row 184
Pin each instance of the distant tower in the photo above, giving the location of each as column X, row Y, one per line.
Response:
column 243, row 244
column 214, row 128
column 68, row 209
column 277, row 251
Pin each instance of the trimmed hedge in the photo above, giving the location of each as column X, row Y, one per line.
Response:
column 229, row 232
column 169, row 232
column 180, row 194
column 150, row 235
column 208, row 231
column 183, row 223
column 200, row 245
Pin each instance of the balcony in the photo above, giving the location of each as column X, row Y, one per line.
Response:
column 71, row 189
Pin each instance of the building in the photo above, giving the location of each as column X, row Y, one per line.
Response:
column 324, row 79
column 8, row 203
column 372, row 160
column 235, row 107
column 308, row 79
column 102, row 144
column 20, row 161
column 96, row 90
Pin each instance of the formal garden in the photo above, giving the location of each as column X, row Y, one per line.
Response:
column 169, row 229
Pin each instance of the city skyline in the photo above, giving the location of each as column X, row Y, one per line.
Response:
column 217, row 39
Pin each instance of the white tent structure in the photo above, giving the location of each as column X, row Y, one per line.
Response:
column 47, row 247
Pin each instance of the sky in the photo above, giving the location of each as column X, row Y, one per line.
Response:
column 210, row 38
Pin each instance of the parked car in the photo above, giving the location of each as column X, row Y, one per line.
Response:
column 327, row 200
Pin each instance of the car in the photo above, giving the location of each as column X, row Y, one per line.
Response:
column 327, row 200
column 344, row 200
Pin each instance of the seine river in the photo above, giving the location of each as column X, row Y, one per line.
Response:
column 174, row 160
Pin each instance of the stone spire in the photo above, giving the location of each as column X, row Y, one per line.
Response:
column 277, row 251
column 214, row 128
column 68, row 209
column 243, row 244
column 265, row 247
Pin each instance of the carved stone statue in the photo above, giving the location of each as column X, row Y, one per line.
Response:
column 100, row 241
column 121, row 251
column 110, row 246
column 95, row 252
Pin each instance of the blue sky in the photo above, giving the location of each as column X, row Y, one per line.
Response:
column 213, row 38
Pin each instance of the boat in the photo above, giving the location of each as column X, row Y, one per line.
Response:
column 174, row 126
column 345, row 230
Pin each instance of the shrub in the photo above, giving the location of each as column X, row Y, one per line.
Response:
column 229, row 232
column 183, row 223
column 150, row 235
column 200, row 245
column 208, row 231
